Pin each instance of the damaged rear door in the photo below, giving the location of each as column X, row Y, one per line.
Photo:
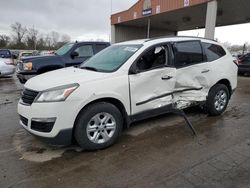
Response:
column 152, row 81
column 192, row 80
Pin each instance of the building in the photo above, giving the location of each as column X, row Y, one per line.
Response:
column 155, row 18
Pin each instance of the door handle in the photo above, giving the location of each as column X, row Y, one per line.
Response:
column 166, row 77
column 205, row 71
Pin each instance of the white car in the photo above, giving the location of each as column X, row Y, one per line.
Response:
column 124, row 83
column 6, row 67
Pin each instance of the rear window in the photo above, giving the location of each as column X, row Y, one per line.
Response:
column 187, row 53
column 213, row 51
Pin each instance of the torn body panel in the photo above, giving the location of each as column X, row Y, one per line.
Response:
column 160, row 87
column 192, row 85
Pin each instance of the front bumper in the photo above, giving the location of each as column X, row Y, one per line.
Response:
column 64, row 114
column 7, row 70
column 63, row 138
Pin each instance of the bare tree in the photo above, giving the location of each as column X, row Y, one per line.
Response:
column 48, row 41
column 18, row 32
column 4, row 40
column 65, row 38
column 31, row 38
column 54, row 38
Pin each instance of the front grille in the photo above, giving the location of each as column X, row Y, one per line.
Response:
column 45, row 127
column 29, row 96
column 24, row 120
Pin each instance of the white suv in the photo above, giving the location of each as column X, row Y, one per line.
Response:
column 124, row 83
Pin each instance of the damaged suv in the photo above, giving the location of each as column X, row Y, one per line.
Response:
column 127, row 82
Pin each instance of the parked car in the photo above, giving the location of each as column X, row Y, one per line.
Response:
column 44, row 53
column 244, row 64
column 124, row 83
column 6, row 67
column 71, row 54
column 25, row 54
column 6, row 54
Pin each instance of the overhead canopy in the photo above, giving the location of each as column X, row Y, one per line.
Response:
column 180, row 15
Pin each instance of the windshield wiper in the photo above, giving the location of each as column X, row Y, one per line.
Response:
column 90, row 68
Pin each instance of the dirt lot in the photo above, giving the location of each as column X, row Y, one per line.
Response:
column 159, row 152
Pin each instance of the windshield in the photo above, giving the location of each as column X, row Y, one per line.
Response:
column 64, row 49
column 111, row 58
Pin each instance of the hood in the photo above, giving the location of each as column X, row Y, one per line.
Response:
column 62, row 77
column 40, row 58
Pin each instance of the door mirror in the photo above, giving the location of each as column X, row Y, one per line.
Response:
column 74, row 54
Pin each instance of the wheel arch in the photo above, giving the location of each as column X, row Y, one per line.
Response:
column 227, row 83
column 110, row 100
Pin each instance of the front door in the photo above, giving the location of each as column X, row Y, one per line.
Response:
column 84, row 52
column 152, row 86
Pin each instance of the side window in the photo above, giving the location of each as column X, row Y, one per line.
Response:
column 154, row 58
column 187, row 53
column 213, row 51
column 85, row 51
column 100, row 47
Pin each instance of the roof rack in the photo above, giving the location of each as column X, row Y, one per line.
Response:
column 163, row 37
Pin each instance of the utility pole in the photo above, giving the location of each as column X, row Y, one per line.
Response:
column 244, row 49
column 111, row 11
column 148, row 31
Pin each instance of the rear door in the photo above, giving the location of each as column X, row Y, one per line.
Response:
column 192, row 73
column 152, row 85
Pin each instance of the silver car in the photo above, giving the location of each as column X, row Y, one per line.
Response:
column 6, row 67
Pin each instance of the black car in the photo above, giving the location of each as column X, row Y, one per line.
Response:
column 71, row 54
column 244, row 64
column 5, row 53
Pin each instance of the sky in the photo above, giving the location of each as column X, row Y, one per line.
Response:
column 87, row 20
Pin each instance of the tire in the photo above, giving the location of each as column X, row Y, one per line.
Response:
column 98, row 126
column 217, row 101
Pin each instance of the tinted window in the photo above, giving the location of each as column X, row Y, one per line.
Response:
column 187, row 53
column 213, row 51
column 85, row 51
column 100, row 47
column 154, row 58
column 111, row 58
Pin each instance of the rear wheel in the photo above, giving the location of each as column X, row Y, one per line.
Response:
column 98, row 126
column 218, row 99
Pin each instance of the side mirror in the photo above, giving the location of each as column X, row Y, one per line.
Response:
column 74, row 54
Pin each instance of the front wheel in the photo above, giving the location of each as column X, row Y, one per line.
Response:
column 98, row 126
column 217, row 100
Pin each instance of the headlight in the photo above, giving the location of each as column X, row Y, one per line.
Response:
column 56, row 94
column 27, row 66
